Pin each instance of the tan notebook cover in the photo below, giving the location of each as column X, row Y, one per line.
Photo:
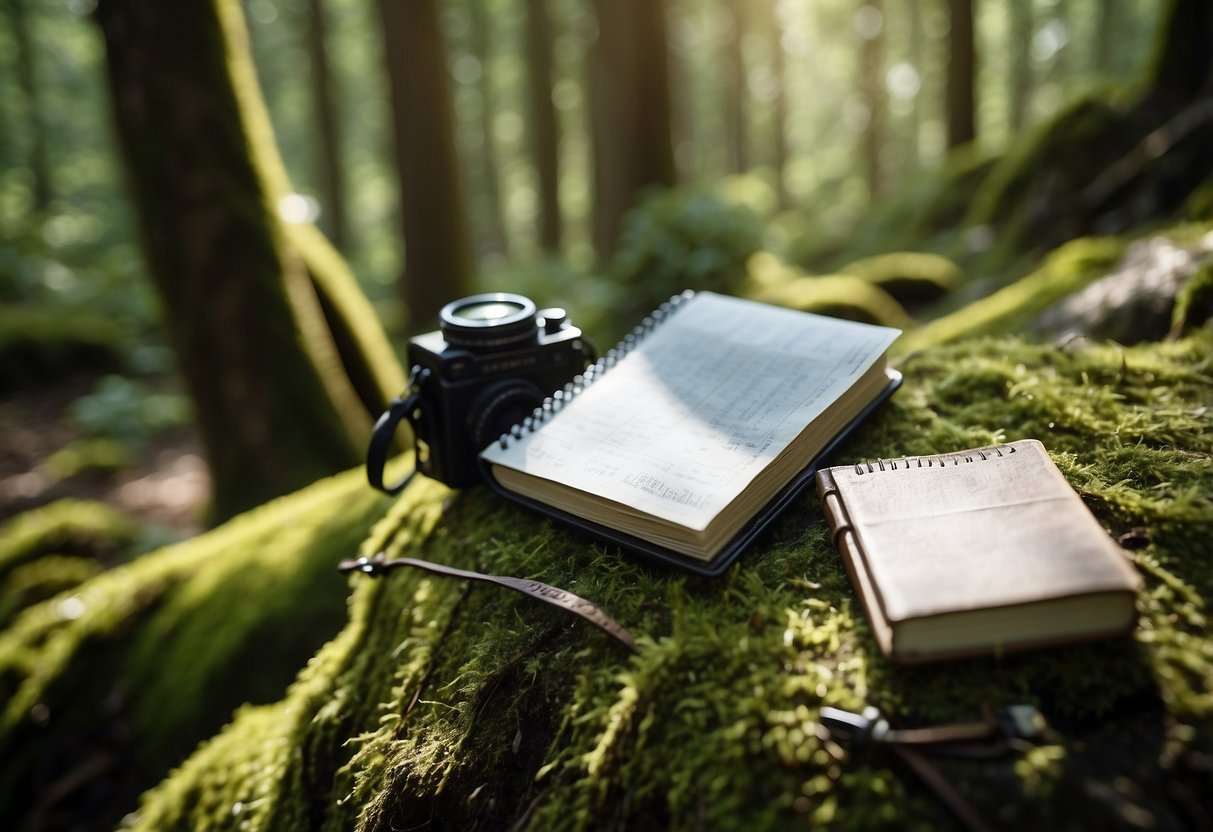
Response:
column 979, row 551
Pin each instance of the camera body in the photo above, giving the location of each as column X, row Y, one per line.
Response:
column 492, row 362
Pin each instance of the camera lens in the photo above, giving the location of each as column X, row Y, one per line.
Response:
column 491, row 321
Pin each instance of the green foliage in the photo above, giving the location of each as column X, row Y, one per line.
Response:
column 443, row 700
column 129, row 410
column 679, row 240
column 66, row 527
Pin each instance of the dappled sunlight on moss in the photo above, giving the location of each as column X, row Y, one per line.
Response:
column 467, row 703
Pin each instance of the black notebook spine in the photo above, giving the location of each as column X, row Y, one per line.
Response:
column 940, row 461
column 554, row 403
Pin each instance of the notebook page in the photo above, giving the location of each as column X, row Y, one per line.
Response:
column 681, row 425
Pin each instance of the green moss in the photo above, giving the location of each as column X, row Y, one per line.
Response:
column 908, row 275
column 43, row 578
column 160, row 651
column 73, row 527
column 1194, row 304
column 466, row 706
column 1064, row 271
column 39, row 343
column 838, row 295
column 87, row 456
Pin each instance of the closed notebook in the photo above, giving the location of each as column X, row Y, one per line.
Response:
column 980, row 551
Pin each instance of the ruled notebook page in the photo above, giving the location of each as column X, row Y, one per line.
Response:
column 680, row 425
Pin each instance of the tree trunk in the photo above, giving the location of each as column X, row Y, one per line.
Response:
column 779, row 107
column 869, row 23
column 630, row 112
column 544, row 127
column 27, row 80
column 497, row 238
column 962, row 69
column 275, row 405
column 914, row 25
column 332, row 183
column 1021, row 31
column 736, row 90
column 437, row 257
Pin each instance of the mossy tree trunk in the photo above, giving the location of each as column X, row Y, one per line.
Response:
column 437, row 256
column 629, row 112
column 281, row 354
column 736, row 90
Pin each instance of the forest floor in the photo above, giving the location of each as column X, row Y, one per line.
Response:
column 165, row 486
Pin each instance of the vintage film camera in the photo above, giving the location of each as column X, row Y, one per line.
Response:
column 492, row 361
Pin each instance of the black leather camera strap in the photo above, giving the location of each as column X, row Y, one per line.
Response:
column 567, row 601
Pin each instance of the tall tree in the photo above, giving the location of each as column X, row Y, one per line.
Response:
column 27, row 79
column 629, row 111
column 544, row 126
column 779, row 105
column 962, row 70
column 1021, row 31
column 282, row 355
column 496, row 237
column 437, row 256
column 332, row 183
column 869, row 26
column 736, row 90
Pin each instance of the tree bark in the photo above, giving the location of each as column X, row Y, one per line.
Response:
column 736, row 90
column 496, row 236
column 274, row 404
column 437, row 257
column 872, row 92
column 630, row 112
column 779, row 108
column 544, row 126
column 332, row 182
column 1021, row 31
column 962, row 68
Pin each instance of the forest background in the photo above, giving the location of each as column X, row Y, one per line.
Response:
column 782, row 124
column 219, row 225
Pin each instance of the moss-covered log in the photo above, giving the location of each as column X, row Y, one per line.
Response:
column 454, row 706
column 276, row 368
column 109, row 684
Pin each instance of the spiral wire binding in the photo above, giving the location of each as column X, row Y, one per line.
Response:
column 892, row 464
column 555, row 403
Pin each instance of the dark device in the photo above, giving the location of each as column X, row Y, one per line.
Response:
column 489, row 365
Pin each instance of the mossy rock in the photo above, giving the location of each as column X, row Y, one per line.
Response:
column 39, row 344
column 138, row 664
column 1065, row 271
column 68, row 527
column 837, row 295
column 909, row 276
column 1194, row 304
column 463, row 706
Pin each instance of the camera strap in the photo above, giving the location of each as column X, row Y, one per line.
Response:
column 537, row 590
column 384, row 432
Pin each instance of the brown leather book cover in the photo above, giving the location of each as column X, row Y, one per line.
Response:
column 980, row 551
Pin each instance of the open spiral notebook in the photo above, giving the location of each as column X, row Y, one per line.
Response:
column 688, row 438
